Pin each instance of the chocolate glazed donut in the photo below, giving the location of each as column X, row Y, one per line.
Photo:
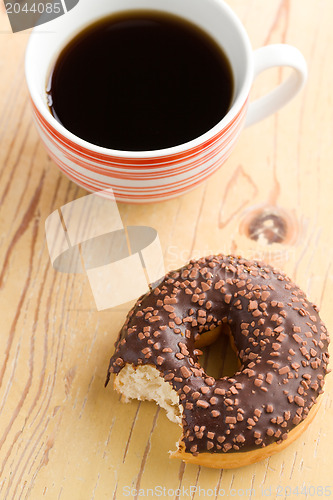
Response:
column 280, row 341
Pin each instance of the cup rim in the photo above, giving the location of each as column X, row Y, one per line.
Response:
column 235, row 108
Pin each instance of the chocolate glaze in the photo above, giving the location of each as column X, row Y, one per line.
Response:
column 281, row 342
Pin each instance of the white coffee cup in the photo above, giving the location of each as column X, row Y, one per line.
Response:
column 149, row 176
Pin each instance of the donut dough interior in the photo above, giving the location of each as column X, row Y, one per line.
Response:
column 146, row 383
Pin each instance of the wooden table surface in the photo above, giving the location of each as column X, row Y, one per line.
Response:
column 62, row 434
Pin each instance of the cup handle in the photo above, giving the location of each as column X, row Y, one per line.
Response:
column 268, row 57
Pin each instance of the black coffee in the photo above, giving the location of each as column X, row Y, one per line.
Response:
column 140, row 81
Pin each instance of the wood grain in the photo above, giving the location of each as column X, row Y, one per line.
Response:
column 62, row 434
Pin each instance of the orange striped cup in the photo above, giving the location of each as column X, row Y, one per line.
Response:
column 151, row 176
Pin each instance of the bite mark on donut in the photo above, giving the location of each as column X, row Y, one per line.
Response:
column 146, row 383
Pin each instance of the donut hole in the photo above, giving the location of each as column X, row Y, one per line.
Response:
column 219, row 358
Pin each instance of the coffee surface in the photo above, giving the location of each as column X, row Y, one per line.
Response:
column 139, row 81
